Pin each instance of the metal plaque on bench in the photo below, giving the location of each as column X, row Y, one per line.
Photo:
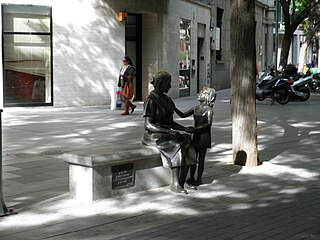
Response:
column 122, row 176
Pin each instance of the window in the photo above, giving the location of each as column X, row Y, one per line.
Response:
column 27, row 58
column 218, row 34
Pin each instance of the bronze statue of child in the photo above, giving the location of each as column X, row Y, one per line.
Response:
column 203, row 117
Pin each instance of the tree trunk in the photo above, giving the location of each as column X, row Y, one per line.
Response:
column 303, row 50
column 285, row 48
column 243, row 67
column 302, row 56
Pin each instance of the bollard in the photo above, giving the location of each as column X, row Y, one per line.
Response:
column 4, row 211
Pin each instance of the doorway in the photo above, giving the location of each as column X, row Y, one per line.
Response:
column 200, row 63
column 133, row 49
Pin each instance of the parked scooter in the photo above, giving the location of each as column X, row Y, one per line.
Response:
column 277, row 88
column 271, row 71
column 299, row 88
column 314, row 86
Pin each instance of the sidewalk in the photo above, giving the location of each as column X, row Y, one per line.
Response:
column 278, row 200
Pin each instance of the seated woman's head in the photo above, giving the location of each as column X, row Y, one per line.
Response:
column 161, row 81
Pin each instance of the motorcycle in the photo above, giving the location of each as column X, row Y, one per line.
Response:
column 314, row 85
column 275, row 87
column 299, row 88
column 271, row 71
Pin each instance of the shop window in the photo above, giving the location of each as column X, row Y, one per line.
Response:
column 184, row 61
column 27, row 55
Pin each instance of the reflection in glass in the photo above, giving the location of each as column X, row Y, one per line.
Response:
column 184, row 61
column 27, row 54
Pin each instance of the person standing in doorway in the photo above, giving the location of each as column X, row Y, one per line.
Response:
column 126, row 77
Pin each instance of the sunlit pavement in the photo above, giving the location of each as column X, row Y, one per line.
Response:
column 278, row 200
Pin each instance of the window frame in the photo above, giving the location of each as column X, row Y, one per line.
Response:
column 7, row 33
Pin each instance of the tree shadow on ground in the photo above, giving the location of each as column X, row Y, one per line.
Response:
column 275, row 198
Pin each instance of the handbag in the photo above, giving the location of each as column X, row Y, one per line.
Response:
column 127, row 91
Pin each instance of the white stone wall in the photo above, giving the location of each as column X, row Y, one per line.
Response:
column 150, row 43
column 88, row 46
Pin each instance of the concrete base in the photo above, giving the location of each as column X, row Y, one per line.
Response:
column 92, row 174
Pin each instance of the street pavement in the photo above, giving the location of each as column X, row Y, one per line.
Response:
column 278, row 200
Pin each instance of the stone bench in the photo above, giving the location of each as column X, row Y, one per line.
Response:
column 99, row 173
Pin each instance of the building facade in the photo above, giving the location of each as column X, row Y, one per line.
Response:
column 220, row 45
column 68, row 53
column 265, row 49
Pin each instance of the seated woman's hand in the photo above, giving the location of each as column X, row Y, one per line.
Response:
column 175, row 133
column 190, row 129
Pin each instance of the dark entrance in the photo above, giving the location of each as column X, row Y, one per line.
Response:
column 200, row 59
column 133, row 49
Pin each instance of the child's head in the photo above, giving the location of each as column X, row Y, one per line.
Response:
column 207, row 95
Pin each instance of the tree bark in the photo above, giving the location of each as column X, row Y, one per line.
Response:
column 302, row 56
column 303, row 49
column 243, row 67
column 285, row 48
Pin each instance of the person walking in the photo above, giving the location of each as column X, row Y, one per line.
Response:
column 126, row 77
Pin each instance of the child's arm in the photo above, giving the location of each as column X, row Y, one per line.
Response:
column 185, row 114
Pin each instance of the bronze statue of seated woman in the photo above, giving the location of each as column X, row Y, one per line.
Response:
column 165, row 134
